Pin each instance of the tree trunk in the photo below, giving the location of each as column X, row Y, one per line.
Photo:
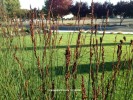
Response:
column 62, row 19
column 103, row 19
column 121, row 20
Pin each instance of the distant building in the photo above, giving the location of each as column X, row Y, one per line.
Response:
column 69, row 16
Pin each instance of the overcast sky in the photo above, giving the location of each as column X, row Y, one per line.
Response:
column 25, row 4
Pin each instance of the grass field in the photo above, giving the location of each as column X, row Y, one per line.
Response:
column 27, row 67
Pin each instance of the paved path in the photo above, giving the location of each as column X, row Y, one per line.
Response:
column 107, row 32
column 127, row 26
column 109, row 29
column 124, row 28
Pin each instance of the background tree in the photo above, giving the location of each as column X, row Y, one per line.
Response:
column 100, row 10
column 58, row 7
column 98, row 7
column 130, row 9
column 80, row 8
column 22, row 13
column 11, row 6
column 122, row 9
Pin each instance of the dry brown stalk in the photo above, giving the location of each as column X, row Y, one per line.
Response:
column 67, row 76
column 96, row 26
column 94, row 96
column 52, row 93
column 26, row 87
column 47, row 71
column 68, row 55
column 39, row 68
column 119, row 52
column 92, row 16
column 68, row 90
column 91, row 75
column 17, row 59
column 77, row 54
column 102, row 76
column 32, row 33
column 107, row 90
column 60, row 40
column 84, row 96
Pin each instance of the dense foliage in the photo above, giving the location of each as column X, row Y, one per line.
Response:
column 100, row 10
column 57, row 7
column 80, row 8
column 11, row 6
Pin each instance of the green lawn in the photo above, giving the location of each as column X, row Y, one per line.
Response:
column 20, row 78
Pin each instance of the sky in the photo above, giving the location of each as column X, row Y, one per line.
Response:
column 25, row 4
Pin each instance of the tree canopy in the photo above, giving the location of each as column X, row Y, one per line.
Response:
column 57, row 7
column 100, row 10
column 80, row 9
column 123, row 9
column 11, row 6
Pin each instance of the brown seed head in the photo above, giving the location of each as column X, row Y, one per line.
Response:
column 101, row 39
column 121, row 41
column 124, row 38
column 131, row 42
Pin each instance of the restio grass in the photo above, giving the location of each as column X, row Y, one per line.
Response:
column 39, row 63
column 20, row 77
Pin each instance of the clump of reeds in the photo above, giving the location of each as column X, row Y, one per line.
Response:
column 101, row 85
